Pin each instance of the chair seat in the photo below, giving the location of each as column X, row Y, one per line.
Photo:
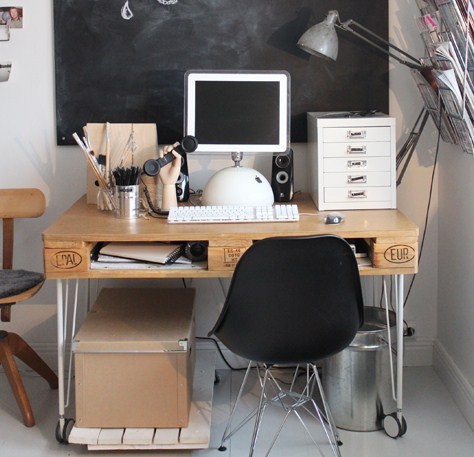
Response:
column 14, row 282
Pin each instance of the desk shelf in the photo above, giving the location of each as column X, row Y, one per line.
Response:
column 195, row 436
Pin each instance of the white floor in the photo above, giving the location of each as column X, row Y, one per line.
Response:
column 436, row 428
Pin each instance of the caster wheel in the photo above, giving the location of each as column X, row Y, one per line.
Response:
column 62, row 435
column 404, row 427
column 393, row 427
column 59, row 435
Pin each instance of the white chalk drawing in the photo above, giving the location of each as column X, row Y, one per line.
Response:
column 127, row 13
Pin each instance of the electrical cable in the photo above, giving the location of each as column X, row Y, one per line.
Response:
column 430, row 195
column 302, row 372
column 153, row 209
column 220, row 352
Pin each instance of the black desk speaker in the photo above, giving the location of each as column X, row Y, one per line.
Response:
column 182, row 183
column 282, row 176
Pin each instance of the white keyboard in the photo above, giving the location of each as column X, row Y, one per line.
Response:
column 232, row 214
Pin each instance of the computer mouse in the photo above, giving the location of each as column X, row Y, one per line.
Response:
column 334, row 218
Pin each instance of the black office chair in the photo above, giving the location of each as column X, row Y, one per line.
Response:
column 291, row 301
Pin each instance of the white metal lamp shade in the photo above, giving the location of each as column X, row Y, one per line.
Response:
column 321, row 39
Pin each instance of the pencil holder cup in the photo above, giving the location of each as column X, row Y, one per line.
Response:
column 128, row 201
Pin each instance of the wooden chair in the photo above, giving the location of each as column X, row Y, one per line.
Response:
column 17, row 286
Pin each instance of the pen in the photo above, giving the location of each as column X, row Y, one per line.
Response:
column 126, row 176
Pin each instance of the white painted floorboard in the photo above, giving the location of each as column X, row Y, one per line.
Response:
column 436, row 428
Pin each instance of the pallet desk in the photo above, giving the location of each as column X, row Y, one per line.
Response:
column 390, row 238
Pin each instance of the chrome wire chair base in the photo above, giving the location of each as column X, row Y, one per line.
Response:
column 292, row 400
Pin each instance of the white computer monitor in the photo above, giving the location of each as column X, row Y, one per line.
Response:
column 238, row 112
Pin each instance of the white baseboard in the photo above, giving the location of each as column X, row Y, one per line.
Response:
column 418, row 352
column 47, row 351
column 457, row 385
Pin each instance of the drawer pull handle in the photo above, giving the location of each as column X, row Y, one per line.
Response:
column 356, row 149
column 357, row 194
column 362, row 179
column 357, row 164
column 356, row 134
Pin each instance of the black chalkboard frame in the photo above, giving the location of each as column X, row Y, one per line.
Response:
column 109, row 69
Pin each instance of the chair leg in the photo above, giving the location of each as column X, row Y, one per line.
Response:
column 227, row 432
column 334, row 435
column 21, row 349
column 13, row 376
column 260, row 410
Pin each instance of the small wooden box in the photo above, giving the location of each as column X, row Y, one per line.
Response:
column 134, row 359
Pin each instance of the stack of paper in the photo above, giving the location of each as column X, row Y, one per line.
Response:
column 154, row 252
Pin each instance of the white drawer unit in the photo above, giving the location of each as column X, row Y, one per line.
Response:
column 352, row 161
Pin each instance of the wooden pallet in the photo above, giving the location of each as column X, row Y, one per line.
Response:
column 195, row 436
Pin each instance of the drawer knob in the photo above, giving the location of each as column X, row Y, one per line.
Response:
column 362, row 179
column 356, row 149
column 357, row 164
column 357, row 194
column 356, row 133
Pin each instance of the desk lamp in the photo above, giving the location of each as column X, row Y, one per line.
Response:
column 321, row 40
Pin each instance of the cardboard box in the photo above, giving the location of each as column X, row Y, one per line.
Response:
column 134, row 359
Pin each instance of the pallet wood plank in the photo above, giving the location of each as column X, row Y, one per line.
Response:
column 138, row 436
column 166, row 436
column 110, row 436
column 84, row 435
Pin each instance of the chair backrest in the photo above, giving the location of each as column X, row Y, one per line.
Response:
column 292, row 300
column 15, row 204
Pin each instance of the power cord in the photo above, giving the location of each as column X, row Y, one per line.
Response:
column 153, row 209
column 290, row 368
column 430, row 195
column 410, row 331
column 220, row 352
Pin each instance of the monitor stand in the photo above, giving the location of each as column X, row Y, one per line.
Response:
column 238, row 185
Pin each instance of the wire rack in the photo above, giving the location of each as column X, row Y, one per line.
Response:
column 446, row 28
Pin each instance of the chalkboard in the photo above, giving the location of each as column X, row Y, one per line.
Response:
column 111, row 69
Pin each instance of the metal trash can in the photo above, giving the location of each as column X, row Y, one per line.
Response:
column 357, row 381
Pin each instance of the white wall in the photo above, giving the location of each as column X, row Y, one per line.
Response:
column 29, row 157
column 445, row 282
column 454, row 358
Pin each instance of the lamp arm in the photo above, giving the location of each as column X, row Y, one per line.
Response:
column 346, row 26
